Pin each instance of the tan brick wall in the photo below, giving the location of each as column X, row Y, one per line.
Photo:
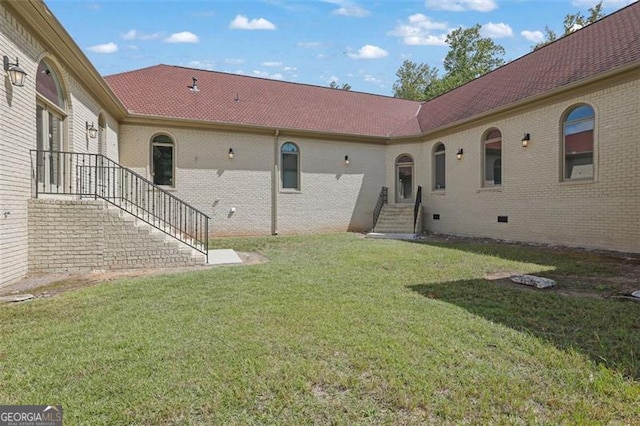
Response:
column 333, row 196
column 603, row 213
column 18, row 136
column 75, row 235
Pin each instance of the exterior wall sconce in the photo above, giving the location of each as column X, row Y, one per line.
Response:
column 16, row 74
column 525, row 140
column 231, row 154
column 91, row 130
column 346, row 160
column 459, row 153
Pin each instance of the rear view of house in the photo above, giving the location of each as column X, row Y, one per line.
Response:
column 141, row 168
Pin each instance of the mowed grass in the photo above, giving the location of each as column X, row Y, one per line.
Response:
column 334, row 329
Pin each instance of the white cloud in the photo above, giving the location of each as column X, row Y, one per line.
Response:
column 420, row 30
column 533, row 36
column 137, row 35
column 129, row 35
column 309, row 44
column 183, row 37
column 610, row 5
column 234, row 61
column 264, row 74
column 110, row 47
column 241, row 22
column 272, row 64
column 462, row 5
column 369, row 52
column 203, row 65
column 348, row 8
column 499, row 30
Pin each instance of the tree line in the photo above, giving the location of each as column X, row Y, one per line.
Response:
column 470, row 56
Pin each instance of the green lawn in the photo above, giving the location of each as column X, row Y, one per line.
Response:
column 336, row 329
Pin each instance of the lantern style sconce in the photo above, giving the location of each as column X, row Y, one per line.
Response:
column 91, row 130
column 231, row 154
column 346, row 160
column 525, row 140
column 459, row 153
column 16, row 74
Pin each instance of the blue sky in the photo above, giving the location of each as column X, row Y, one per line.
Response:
column 360, row 42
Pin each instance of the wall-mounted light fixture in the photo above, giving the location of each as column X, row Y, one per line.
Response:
column 16, row 74
column 91, row 130
column 525, row 140
column 194, row 86
column 460, row 153
column 231, row 154
column 346, row 160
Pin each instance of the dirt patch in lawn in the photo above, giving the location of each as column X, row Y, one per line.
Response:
column 52, row 284
column 622, row 278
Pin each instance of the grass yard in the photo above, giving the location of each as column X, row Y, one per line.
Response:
column 337, row 329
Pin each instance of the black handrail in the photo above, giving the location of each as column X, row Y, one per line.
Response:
column 416, row 208
column 94, row 175
column 382, row 200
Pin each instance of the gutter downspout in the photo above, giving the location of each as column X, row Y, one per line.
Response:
column 275, row 184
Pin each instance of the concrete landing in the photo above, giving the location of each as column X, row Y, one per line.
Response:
column 223, row 257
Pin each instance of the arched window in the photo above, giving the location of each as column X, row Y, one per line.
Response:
column 163, row 160
column 51, row 111
column 492, row 145
column 439, row 166
column 578, row 143
column 290, row 163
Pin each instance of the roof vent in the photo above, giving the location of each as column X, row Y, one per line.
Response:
column 194, row 86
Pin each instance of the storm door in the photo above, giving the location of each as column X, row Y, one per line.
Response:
column 404, row 179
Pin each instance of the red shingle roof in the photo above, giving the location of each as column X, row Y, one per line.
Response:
column 161, row 90
column 607, row 44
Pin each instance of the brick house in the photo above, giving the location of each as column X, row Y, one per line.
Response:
column 544, row 149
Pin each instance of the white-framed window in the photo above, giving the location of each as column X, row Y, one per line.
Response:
column 578, row 143
column 439, row 167
column 492, row 158
column 163, row 160
column 51, row 114
column 290, row 165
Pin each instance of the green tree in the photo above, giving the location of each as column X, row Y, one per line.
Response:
column 470, row 56
column 573, row 22
column 414, row 80
column 334, row 85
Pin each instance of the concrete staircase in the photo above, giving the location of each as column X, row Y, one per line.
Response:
column 152, row 246
column 70, row 234
column 396, row 219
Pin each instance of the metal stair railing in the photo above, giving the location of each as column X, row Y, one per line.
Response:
column 94, row 175
column 382, row 200
column 416, row 208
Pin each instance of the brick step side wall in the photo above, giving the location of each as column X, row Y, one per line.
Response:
column 69, row 235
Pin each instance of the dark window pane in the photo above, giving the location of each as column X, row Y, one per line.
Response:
column 290, row 171
column 162, row 165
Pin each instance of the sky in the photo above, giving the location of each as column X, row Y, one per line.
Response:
column 362, row 43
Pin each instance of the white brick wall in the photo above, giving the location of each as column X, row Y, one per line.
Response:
column 69, row 235
column 18, row 136
column 603, row 213
column 333, row 197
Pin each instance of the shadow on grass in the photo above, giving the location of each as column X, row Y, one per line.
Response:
column 606, row 330
column 561, row 260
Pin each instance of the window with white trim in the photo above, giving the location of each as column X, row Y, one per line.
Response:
column 163, row 160
column 578, row 142
column 492, row 158
column 290, row 166
column 439, row 167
